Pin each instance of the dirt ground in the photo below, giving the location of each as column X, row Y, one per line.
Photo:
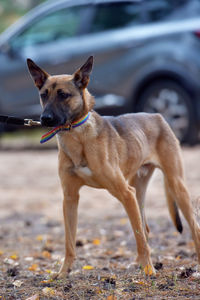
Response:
column 32, row 237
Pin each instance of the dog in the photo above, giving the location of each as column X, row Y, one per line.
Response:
column 115, row 153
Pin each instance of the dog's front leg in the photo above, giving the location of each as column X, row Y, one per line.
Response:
column 70, row 185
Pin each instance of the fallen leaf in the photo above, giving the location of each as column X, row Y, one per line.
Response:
column 46, row 254
column 190, row 244
column 98, row 291
column 1, row 252
column 39, row 238
column 88, row 267
column 96, row 242
column 14, row 256
column 47, row 281
column 33, row 267
column 148, row 270
column 17, row 283
column 48, row 291
column 34, row 297
column 48, row 271
column 175, row 233
column 111, row 297
column 123, row 221
column 139, row 282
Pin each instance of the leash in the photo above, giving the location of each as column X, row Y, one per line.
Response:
column 18, row 121
column 47, row 136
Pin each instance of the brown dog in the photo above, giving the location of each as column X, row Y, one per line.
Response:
column 115, row 153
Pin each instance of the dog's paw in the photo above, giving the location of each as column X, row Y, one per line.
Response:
column 146, row 265
column 60, row 275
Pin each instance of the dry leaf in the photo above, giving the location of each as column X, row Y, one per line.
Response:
column 139, row 282
column 34, row 297
column 190, row 244
column 14, row 256
column 1, row 252
column 17, row 283
column 148, row 270
column 96, row 242
column 47, row 281
column 123, row 221
column 46, row 254
column 39, row 237
column 33, row 267
column 175, row 233
column 178, row 257
column 111, row 297
column 88, row 267
column 48, row 291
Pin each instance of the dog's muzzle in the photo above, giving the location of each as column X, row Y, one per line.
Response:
column 49, row 119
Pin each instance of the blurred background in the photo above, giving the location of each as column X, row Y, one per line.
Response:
column 146, row 56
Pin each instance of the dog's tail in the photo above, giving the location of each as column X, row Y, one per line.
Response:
column 173, row 209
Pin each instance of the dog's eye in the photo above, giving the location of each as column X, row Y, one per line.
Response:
column 62, row 95
column 44, row 95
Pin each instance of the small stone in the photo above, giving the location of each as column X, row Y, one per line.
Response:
column 158, row 266
column 13, row 271
column 67, row 287
column 79, row 243
column 17, row 283
column 186, row 273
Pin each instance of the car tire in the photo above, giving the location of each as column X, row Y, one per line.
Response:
column 175, row 104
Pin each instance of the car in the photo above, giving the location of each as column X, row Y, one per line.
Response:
column 146, row 57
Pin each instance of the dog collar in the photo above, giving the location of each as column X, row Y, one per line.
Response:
column 49, row 135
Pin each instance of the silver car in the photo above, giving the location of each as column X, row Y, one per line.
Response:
column 147, row 57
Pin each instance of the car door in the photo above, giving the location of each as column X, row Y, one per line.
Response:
column 108, row 41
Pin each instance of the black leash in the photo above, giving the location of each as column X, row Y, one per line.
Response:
column 18, row 121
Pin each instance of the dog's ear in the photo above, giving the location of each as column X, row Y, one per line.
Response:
column 39, row 76
column 82, row 75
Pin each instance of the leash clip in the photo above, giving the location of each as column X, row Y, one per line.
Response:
column 70, row 126
column 30, row 122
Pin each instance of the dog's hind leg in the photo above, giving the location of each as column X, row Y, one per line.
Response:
column 140, row 182
column 177, row 188
column 172, row 168
column 172, row 206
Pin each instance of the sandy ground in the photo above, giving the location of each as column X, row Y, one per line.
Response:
column 29, row 181
column 31, row 209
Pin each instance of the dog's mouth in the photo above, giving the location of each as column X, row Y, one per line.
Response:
column 52, row 121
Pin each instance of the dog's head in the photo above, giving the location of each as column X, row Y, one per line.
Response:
column 64, row 98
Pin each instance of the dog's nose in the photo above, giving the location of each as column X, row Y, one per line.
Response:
column 47, row 119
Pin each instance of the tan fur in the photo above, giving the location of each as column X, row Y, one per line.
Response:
column 119, row 154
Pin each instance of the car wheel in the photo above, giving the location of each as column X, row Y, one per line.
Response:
column 174, row 103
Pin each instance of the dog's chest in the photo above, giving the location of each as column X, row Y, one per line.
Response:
column 75, row 152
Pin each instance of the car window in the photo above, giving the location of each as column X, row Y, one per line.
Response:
column 55, row 26
column 158, row 10
column 110, row 16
